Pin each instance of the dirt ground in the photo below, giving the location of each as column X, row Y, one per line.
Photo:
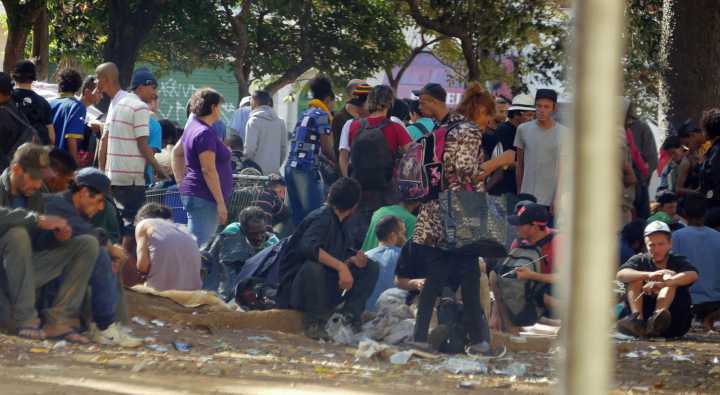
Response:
column 230, row 355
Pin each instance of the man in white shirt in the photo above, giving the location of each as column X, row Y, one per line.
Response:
column 108, row 84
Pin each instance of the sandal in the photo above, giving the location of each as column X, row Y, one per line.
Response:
column 33, row 332
column 67, row 333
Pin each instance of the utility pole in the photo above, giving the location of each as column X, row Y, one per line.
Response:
column 592, row 198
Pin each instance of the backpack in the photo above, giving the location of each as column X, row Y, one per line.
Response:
column 450, row 335
column 259, row 279
column 371, row 158
column 419, row 173
column 26, row 134
column 522, row 298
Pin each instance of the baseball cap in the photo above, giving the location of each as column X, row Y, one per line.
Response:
column 245, row 101
column 530, row 214
column 546, row 94
column 665, row 197
column 93, row 178
column 523, row 102
column 660, row 216
column 360, row 94
column 143, row 76
column 432, row 89
column 657, row 227
column 34, row 160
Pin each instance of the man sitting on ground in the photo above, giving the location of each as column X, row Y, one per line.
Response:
column 85, row 199
column 272, row 200
column 390, row 232
column 701, row 245
column 658, row 283
column 166, row 252
column 403, row 211
column 321, row 271
column 28, row 268
column 531, row 225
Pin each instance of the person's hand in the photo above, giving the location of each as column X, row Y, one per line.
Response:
column 653, row 287
column 119, row 257
column 417, row 284
column 346, row 278
column 524, row 273
column 359, row 259
column 96, row 126
column 222, row 213
column 63, row 233
column 51, row 222
column 660, row 275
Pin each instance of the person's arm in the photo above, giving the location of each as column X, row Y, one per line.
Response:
column 629, row 178
column 410, row 284
column 520, row 167
column 344, row 159
column 649, row 147
column 681, row 279
column 345, row 277
column 51, row 133
column 344, row 162
column 147, row 152
column 327, row 143
column 102, row 151
column 72, row 147
column 525, row 273
column 252, row 137
column 492, row 165
column 143, row 247
column 628, row 275
column 212, row 179
column 177, row 162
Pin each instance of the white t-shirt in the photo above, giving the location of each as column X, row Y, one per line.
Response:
column 111, row 108
column 128, row 121
column 345, row 132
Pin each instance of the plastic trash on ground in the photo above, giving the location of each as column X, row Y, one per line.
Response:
column 369, row 348
column 515, row 369
column 401, row 358
column 460, row 365
column 340, row 331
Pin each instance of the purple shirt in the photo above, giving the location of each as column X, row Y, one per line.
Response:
column 198, row 138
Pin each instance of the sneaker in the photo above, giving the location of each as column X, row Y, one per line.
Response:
column 114, row 335
column 632, row 325
column 658, row 323
column 316, row 331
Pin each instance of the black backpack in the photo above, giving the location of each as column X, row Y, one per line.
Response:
column 522, row 298
column 450, row 335
column 370, row 157
column 25, row 134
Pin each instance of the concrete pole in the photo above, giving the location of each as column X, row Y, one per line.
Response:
column 593, row 198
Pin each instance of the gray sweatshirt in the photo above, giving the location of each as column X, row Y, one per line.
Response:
column 266, row 139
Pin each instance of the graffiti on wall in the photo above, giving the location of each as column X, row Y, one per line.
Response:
column 173, row 97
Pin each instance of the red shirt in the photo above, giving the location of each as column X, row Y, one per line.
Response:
column 547, row 265
column 395, row 135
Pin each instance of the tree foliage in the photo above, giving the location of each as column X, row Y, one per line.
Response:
column 642, row 63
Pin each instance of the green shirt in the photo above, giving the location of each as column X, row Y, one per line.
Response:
column 234, row 228
column 371, row 240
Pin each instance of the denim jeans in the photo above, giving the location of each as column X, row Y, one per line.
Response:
column 128, row 200
column 202, row 217
column 305, row 191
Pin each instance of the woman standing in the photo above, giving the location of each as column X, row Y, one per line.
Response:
column 207, row 181
column 464, row 167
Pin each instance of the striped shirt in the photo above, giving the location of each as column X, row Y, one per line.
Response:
column 128, row 121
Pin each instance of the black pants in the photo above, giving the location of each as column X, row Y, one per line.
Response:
column 680, row 313
column 440, row 266
column 128, row 200
column 315, row 291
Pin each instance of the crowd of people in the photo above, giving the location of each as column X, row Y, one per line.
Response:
column 358, row 203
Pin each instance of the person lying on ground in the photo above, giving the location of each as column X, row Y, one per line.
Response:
column 83, row 200
column 29, row 267
column 531, row 226
column 391, row 234
column 701, row 245
column 658, row 282
column 322, row 273
column 166, row 253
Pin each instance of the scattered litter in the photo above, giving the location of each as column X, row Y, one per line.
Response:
column 632, row 354
column 340, row 331
column 369, row 348
column 518, row 339
column 158, row 323
column 715, row 360
column 401, row 358
column 715, row 370
column 681, row 358
column 149, row 339
column 60, row 345
column 44, row 367
column 622, row 337
column 331, row 355
column 157, row 347
column 640, row 388
column 467, row 385
column 260, row 338
column 139, row 321
column 515, row 369
column 182, row 347
column 459, row 365
column 39, row 350
column 138, row 367
column 655, row 354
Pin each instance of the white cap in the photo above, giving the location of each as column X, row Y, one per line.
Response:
column 522, row 103
column 656, row 227
column 245, row 101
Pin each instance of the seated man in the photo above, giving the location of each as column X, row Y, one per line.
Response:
column 166, row 252
column 403, row 211
column 321, row 270
column 390, row 231
column 658, row 282
column 29, row 267
column 82, row 201
column 240, row 241
column 701, row 245
column 272, row 200
column 531, row 225
column 63, row 167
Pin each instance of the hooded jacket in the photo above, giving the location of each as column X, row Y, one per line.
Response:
column 266, row 139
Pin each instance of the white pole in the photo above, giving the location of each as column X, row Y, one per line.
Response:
column 593, row 199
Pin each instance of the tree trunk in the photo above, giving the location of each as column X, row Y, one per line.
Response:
column 242, row 76
column 20, row 19
column 127, row 32
column 692, row 56
column 289, row 76
column 41, row 44
column 471, row 59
